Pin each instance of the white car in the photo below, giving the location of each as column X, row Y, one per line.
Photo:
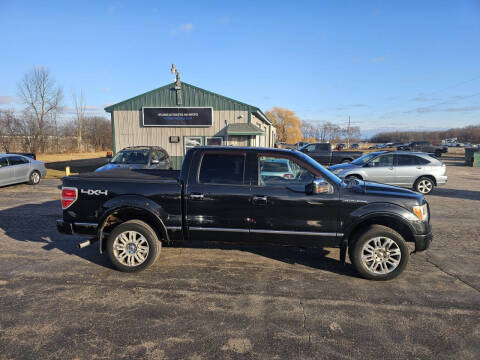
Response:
column 15, row 169
column 416, row 170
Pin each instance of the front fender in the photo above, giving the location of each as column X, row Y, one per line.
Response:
column 385, row 210
column 133, row 203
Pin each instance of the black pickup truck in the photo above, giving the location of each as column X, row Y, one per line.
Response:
column 325, row 155
column 237, row 194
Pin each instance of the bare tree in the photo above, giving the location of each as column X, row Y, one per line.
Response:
column 42, row 100
column 80, row 109
column 9, row 125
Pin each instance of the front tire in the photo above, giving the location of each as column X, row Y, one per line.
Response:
column 133, row 246
column 34, row 178
column 424, row 185
column 380, row 253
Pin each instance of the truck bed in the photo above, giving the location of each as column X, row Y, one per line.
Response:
column 130, row 175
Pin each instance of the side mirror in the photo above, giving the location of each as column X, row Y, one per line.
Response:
column 155, row 161
column 319, row 186
column 369, row 164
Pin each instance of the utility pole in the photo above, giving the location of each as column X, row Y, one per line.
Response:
column 348, row 132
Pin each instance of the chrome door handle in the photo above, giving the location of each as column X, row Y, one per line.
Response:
column 262, row 200
column 196, row 196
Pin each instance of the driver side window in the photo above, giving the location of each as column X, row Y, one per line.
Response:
column 382, row 161
column 279, row 171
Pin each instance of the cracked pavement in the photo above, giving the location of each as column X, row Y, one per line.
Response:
column 204, row 301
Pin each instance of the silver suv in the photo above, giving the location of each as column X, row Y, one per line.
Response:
column 416, row 170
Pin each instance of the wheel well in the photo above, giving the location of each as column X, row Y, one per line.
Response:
column 347, row 159
column 427, row 176
column 122, row 215
column 391, row 222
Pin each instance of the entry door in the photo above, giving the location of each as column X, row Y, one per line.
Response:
column 218, row 198
column 381, row 169
column 6, row 172
column 282, row 212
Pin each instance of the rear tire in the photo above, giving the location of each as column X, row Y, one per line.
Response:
column 133, row 246
column 379, row 253
column 34, row 178
column 424, row 185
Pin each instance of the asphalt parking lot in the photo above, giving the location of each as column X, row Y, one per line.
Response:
column 206, row 301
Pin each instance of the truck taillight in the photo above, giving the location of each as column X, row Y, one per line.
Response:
column 69, row 196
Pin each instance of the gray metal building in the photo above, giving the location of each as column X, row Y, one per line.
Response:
column 179, row 116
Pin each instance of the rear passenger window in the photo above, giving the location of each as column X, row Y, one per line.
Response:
column 406, row 160
column 222, row 169
column 17, row 160
column 3, row 162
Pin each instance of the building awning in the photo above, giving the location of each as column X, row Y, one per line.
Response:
column 244, row 129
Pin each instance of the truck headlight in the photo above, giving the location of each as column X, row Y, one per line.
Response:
column 421, row 211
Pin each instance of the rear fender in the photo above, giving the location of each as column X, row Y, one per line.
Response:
column 135, row 204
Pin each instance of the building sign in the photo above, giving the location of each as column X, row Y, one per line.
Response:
column 177, row 116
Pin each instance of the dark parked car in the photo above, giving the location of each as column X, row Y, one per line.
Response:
column 354, row 146
column 139, row 157
column 423, row 146
column 323, row 153
column 222, row 194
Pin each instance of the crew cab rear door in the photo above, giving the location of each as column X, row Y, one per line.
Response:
column 218, row 197
column 282, row 211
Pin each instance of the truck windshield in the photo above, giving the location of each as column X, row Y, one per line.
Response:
column 131, row 157
column 331, row 176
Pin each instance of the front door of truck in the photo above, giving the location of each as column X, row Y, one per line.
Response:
column 218, row 197
column 283, row 212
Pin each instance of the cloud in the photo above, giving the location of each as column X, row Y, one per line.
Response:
column 358, row 105
column 183, row 28
column 424, row 99
column 224, row 20
column 112, row 8
column 379, row 59
column 355, row 60
column 463, row 109
column 106, row 89
column 5, row 100
column 88, row 109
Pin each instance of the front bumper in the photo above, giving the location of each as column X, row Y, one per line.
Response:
column 442, row 180
column 78, row 228
column 422, row 242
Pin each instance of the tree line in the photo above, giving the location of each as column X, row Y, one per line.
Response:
column 40, row 126
column 464, row 134
column 290, row 129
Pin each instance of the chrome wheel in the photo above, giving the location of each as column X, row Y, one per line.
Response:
column 425, row 186
column 381, row 255
column 35, row 177
column 131, row 248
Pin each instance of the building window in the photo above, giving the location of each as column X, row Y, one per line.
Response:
column 192, row 141
column 214, row 141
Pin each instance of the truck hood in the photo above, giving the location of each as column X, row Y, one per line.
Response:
column 377, row 189
column 120, row 166
column 342, row 167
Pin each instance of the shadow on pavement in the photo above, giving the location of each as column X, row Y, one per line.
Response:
column 35, row 223
column 40, row 227
column 78, row 166
column 456, row 194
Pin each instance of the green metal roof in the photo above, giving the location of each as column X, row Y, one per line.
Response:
column 192, row 96
column 243, row 129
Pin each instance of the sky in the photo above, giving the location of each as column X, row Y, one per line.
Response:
column 389, row 65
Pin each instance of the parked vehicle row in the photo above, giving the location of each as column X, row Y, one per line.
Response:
column 245, row 195
column 325, row 155
column 424, row 146
column 416, row 170
column 15, row 169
